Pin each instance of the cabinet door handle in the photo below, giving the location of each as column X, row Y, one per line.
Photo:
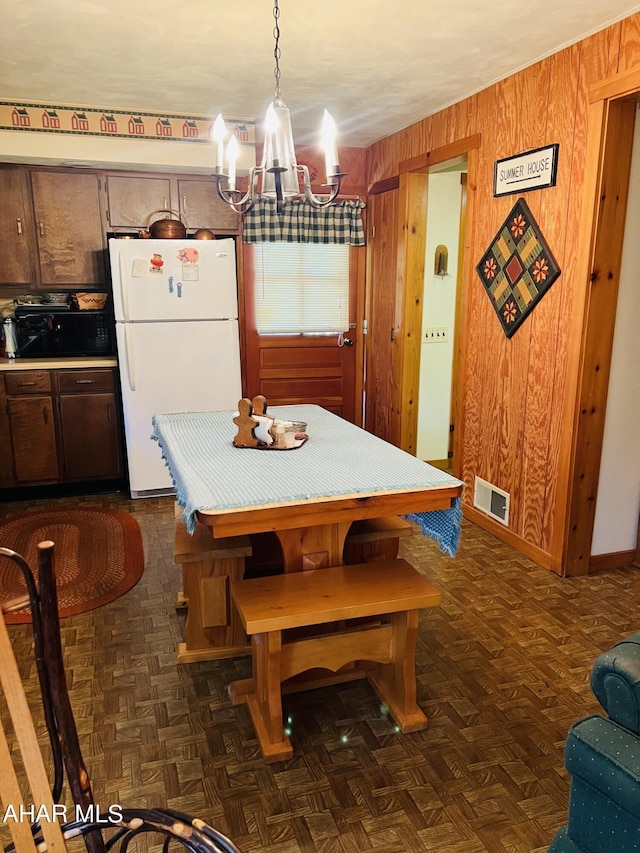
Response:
column 165, row 206
column 109, row 417
column 85, row 381
column 45, row 414
column 41, row 227
column 24, row 384
column 19, row 227
column 184, row 203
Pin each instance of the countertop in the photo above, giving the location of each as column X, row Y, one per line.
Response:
column 56, row 363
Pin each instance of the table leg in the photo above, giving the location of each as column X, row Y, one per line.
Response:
column 314, row 547
column 213, row 629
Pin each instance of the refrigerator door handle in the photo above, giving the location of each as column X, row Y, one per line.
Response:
column 128, row 357
column 123, row 291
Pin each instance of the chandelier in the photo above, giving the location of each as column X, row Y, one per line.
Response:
column 279, row 172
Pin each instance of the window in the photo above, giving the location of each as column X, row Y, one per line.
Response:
column 301, row 288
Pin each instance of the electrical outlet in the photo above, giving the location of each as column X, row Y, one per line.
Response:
column 436, row 334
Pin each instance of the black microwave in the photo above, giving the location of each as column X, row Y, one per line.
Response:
column 43, row 332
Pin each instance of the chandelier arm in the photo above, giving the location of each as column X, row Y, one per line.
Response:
column 244, row 204
column 310, row 196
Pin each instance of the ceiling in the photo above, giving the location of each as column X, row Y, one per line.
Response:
column 376, row 65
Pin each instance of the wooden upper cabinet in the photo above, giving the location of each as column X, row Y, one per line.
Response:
column 131, row 201
column 16, row 228
column 203, row 208
column 69, row 233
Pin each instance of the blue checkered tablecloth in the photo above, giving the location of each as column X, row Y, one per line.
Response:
column 339, row 458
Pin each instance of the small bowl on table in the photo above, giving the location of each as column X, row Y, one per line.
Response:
column 299, row 428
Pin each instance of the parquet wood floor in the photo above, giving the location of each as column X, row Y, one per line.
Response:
column 503, row 669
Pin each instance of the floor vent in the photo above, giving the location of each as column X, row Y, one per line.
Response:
column 492, row 500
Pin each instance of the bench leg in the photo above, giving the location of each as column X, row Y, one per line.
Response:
column 395, row 682
column 213, row 629
column 265, row 702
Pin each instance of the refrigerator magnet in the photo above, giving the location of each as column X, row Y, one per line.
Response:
column 156, row 263
column 188, row 256
column 140, row 268
column 190, row 272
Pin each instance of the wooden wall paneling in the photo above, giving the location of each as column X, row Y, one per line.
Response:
column 529, row 106
column 461, row 119
column 493, row 362
column 629, row 52
column 598, row 332
column 479, row 314
column 439, row 126
column 381, row 355
column 413, row 216
column 550, row 320
column 599, row 56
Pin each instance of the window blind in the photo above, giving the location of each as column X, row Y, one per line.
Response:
column 301, row 288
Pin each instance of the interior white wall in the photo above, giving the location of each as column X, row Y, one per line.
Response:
column 438, row 309
column 108, row 152
column 618, row 499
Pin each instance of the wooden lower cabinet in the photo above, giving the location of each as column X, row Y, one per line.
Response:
column 63, row 426
column 90, row 438
column 33, row 440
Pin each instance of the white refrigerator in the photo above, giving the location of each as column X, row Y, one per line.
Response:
column 176, row 312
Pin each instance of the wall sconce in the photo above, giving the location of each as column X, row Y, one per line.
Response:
column 441, row 265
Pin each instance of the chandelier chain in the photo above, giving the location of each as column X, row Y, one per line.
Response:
column 276, row 50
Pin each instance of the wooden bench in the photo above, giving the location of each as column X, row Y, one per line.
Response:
column 213, row 629
column 383, row 653
column 370, row 539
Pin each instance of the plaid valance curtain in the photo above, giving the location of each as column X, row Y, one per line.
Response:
column 300, row 222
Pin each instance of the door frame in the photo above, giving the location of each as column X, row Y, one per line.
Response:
column 611, row 119
column 412, row 232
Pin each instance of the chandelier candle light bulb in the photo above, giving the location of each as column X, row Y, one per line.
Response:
column 233, row 149
column 330, row 147
column 218, row 134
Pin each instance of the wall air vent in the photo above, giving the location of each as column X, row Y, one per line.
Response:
column 492, row 500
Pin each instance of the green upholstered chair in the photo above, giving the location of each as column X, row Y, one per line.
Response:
column 602, row 755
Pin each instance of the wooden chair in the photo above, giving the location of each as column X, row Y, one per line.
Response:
column 100, row 832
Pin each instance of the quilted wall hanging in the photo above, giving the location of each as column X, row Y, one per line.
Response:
column 518, row 268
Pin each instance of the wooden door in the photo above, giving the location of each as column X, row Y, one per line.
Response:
column 33, row 439
column 303, row 369
column 381, row 382
column 16, row 229
column 71, row 244
column 131, row 201
column 203, row 208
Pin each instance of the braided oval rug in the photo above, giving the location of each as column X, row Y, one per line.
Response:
column 98, row 556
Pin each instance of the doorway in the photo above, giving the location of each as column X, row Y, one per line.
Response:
column 397, row 220
column 615, row 530
column 612, row 117
column 446, row 202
